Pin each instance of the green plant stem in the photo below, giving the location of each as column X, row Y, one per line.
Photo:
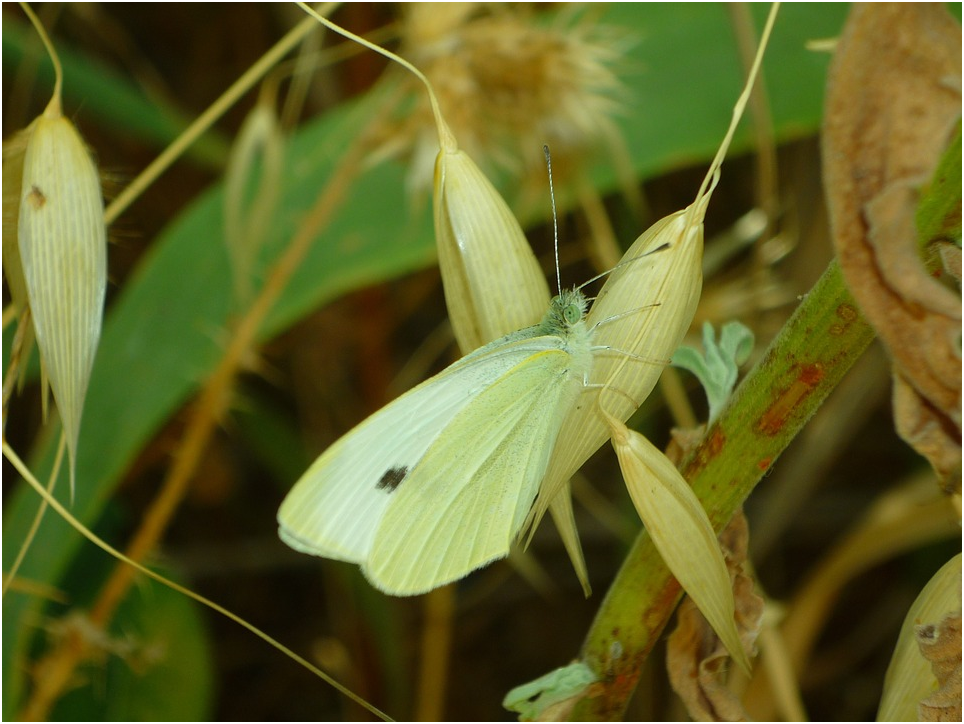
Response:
column 813, row 351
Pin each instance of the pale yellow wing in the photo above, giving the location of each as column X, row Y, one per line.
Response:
column 463, row 503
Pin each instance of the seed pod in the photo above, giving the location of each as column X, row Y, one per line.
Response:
column 681, row 532
column 63, row 250
column 493, row 283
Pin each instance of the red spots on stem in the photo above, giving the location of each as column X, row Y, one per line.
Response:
column 847, row 314
column 788, row 400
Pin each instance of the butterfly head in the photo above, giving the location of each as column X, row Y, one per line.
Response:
column 565, row 311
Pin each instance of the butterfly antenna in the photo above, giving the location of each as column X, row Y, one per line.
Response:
column 555, row 220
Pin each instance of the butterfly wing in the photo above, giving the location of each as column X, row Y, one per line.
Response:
column 465, row 500
column 337, row 505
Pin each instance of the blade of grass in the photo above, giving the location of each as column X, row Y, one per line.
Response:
column 110, row 98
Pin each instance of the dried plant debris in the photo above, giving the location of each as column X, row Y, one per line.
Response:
column 893, row 100
column 941, row 646
column 509, row 82
column 696, row 658
column 921, row 675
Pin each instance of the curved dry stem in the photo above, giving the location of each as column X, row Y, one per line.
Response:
column 11, row 575
column 201, row 124
column 53, row 108
column 445, row 138
column 48, row 499
column 709, row 182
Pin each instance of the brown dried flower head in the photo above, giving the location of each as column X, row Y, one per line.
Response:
column 508, row 85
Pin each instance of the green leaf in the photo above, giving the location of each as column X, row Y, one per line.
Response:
column 939, row 211
column 163, row 334
column 532, row 699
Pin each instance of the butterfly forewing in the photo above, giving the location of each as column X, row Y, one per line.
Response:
column 440, row 481
column 337, row 505
column 463, row 504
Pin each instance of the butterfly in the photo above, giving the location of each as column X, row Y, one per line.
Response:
column 439, row 482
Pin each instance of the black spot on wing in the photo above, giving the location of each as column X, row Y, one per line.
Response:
column 392, row 478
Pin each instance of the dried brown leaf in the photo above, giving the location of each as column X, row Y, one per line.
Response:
column 941, row 646
column 696, row 658
column 893, row 99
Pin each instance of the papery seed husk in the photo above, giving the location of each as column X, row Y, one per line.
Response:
column 644, row 309
column 63, row 248
column 493, row 282
column 681, row 532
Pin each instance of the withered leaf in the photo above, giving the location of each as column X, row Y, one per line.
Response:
column 894, row 96
column 696, row 658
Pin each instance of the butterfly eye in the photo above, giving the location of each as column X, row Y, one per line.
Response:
column 572, row 313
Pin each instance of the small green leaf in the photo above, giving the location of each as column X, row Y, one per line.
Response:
column 717, row 368
column 531, row 700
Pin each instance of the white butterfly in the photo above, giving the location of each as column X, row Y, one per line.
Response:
column 440, row 481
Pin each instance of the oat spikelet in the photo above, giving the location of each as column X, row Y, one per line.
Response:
column 493, row 283
column 62, row 241
column 681, row 532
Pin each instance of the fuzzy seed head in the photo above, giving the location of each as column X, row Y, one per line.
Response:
column 508, row 85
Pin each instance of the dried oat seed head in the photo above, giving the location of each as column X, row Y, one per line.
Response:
column 639, row 318
column 63, row 249
column 681, row 532
column 493, row 283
